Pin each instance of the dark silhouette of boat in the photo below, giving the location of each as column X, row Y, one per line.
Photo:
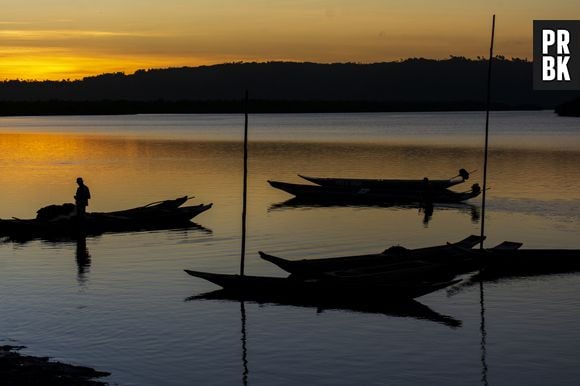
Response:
column 321, row 289
column 393, row 255
column 442, row 262
column 51, row 222
column 371, row 195
column 389, row 184
column 522, row 264
column 394, row 275
column 528, row 262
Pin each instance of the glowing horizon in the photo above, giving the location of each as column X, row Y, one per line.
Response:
column 56, row 41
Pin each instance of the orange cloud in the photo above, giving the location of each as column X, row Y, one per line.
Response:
column 72, row 41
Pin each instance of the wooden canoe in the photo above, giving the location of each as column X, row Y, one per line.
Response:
column 372, row 195
column 322, row 288
column 391, row 255
column 164, row 214
column 388, row 184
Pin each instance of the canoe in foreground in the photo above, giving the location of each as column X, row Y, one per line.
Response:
column 391, row 255
column 390, row 184
column 160, row 215
column 321, row 289
column 523, row 263
column 372, row 195
column 397, row 263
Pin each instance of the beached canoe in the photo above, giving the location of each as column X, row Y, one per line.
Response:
column 366, row 195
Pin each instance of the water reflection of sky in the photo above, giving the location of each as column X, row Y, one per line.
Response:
column 38, row 168
column 117, row 302
column 525, row 129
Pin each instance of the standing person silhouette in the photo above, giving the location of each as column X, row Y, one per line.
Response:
column 82, row 198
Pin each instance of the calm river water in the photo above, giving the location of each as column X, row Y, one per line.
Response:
column 125, row 309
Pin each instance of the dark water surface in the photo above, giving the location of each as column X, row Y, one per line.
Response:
column 124, row 307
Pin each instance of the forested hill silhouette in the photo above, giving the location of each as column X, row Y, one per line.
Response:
column 413, row 84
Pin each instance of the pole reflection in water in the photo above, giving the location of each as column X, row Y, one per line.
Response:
column 483, row 337
column 407, row 309
column 244, row 341
column 83, row 259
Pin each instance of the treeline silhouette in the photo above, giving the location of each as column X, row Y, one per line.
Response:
column 456, row 83
column 569, row 109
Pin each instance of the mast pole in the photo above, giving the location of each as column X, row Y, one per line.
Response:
column 486, row 133
column 245, row 186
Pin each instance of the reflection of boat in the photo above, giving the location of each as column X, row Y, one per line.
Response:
column 62, row 237
column 373, row 195
column 52, row 222
column 83, row 259
column 406, row 309
column 390, row 184
column 427, row 209
column 323, row 288
column 392, row 255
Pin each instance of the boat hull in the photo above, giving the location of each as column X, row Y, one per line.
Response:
column 370, row 195
column 389, row 184
column 326, row 288
column 393, row 255
column 167, row 214
column 529, row 262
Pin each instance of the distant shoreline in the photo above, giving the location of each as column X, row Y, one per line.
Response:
column 126, row 107
column 412, row 85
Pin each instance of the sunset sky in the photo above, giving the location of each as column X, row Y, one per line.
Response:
column 70, row 39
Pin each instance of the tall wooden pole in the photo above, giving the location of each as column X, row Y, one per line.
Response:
column 245, row 189
column 486, row 133
column 484, row 368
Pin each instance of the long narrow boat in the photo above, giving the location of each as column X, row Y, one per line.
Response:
column 530, row 262
column 391, row 255
column 159, row 205
column 509, row 259
column 159, row 215
column 435, row 264
column 389, row 184
column 373, row 195
column 523, row 263
column 326, row 288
